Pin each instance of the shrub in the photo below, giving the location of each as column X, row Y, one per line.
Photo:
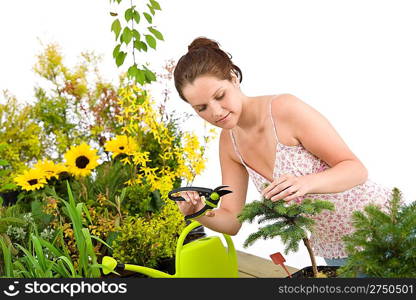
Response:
column 145, row 241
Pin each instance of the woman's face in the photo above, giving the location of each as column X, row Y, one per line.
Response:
column 216, row 101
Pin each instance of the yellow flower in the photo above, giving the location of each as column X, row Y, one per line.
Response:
column 31, row 180
column 121, row 145
column 81, row 159
column 60, row 169
column 48, row 167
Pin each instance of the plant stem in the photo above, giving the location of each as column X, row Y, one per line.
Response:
column 312, row 256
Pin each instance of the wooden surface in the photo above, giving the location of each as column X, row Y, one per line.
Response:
column 251, row 266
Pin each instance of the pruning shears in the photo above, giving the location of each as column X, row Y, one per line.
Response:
column 212, row 197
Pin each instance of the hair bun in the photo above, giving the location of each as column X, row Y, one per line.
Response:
column 203, row 42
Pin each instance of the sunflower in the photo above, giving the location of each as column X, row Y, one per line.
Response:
column 81, row 159
column 121, row 144
column 48, row 167
column 31, row 180
column 61, row 170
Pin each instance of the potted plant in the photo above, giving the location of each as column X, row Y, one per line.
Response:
column 384, row 240
column 291, row 223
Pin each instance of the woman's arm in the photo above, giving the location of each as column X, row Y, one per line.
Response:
column 318, row 136
column 236, row 177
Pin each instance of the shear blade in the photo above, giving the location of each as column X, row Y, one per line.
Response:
column 220, row 187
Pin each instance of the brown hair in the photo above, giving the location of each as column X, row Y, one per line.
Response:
column 204, row 57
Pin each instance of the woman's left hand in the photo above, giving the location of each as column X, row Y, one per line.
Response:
column 287, row 187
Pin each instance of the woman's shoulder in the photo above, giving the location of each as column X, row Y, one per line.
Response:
column 285, row 104
column 289, row 108
column 285, row 110
column 226, row 144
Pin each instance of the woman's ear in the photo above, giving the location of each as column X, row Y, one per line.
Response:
column 234, row 80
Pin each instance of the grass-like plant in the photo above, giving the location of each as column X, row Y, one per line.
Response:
column 46, row 260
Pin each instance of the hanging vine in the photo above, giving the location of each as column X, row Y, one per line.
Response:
column 129, row 40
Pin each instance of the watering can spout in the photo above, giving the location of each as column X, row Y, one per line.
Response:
column 110, row 264
column 147, row 271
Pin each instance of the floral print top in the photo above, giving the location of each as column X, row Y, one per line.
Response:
column 330, row 226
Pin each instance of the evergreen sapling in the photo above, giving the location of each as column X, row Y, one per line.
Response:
column 290, row 222
column 384, row 241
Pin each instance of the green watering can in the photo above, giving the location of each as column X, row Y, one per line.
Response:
column 202, row 258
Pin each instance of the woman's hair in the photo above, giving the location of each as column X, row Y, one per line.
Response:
column 204, row 57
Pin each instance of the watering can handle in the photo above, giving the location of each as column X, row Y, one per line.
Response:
column 231, row 249
column 184, row 233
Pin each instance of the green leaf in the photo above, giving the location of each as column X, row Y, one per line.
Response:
column 140, row 45
column 155, row 5
column 39, row 252
column 4, row 162
column 136, row 35
column 12, row 220
column 140, row 77
column 128, row 15
column 116, row 27
column 9, row 186
column 101, row 241
column 7, row 259
column 150, row 76
column 156, row 33
column 136, row 17
column 126, row 35
column 90, row 252
column 120, row 58
column 3, row 146
column 151, row 41
column 55, row 251
column 148, row 17
column 132, row 71
column 152, row 10
column 69, row 264
column 116, row 50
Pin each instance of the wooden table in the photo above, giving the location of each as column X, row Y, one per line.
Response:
column 251, row 266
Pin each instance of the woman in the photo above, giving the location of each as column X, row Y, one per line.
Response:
column 276, row 140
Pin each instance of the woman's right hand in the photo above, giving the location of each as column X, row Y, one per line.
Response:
column 192, row 204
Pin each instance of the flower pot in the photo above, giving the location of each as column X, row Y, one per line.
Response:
column 167, row 265
column 329, row 271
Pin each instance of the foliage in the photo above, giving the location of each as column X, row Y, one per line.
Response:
column 73, row 105
column 128, row 35
column 20, row 140
column 290, row 222
column 167, row 155
column 145, row 241
column 16, row 224
column 114, row 148
column 5, row 172
column 383, row 243
column 44, row 259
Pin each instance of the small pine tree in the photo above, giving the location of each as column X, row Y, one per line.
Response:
column 383, row 243
column 291, row 222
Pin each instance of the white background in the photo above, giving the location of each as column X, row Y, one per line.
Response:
column 354, row 61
